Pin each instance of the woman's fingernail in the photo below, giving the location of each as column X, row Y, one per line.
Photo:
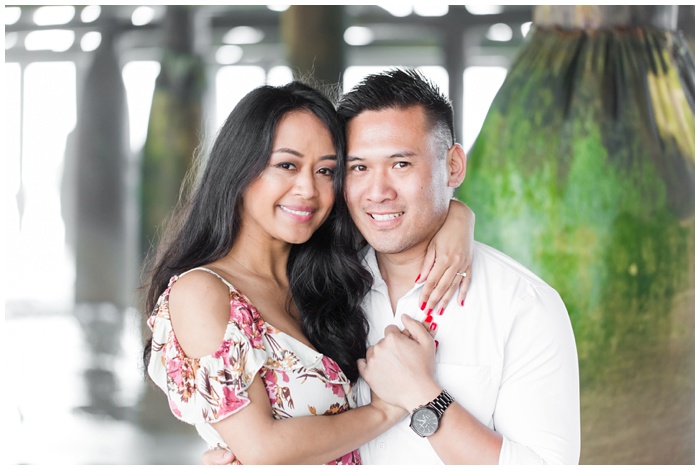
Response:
column 417, row 278
column 422, row 307
column 462, row 303
column 428, row 319
column 442, row 310
column 433, row 326
column 436, row 344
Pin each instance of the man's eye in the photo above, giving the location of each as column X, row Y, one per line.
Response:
column 401, row 164
column 358, row 168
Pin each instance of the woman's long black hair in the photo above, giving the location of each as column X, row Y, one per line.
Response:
column 327, row 280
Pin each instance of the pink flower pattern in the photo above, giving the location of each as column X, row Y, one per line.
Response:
column 298, row 381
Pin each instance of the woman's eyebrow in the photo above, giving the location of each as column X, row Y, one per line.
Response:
column 288, row 150
column 301, row 155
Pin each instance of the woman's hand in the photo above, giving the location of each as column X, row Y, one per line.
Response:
column 449, row 254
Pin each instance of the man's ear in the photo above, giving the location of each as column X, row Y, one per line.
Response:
column 456, row 165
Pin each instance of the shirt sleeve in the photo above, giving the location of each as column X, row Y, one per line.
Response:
column 209, row 388
column 538, row 411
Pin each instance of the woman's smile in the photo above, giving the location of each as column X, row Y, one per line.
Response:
column 299, row 213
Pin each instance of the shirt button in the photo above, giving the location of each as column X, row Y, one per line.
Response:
column 381, row 445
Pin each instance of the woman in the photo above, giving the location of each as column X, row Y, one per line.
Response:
column 255, row 297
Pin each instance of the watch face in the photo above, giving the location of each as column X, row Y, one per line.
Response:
column 424, row 421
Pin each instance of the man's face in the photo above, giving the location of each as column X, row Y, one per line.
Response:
column 397, row 187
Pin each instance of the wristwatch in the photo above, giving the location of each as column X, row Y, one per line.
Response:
column 426, row 418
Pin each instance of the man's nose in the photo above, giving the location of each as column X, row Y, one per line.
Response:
column 381, row 188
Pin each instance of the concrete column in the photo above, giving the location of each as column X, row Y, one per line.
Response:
column 313, row 37
column 101, row 149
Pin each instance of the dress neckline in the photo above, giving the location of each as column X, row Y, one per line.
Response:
column 245, row 298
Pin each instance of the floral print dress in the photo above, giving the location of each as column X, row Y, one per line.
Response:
column 299, row 380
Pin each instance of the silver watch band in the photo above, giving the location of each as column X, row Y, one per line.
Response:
column 441, row 403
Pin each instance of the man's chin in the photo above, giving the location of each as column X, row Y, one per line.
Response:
column 387, row 247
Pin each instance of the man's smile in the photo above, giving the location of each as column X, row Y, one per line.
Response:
column 382, row 217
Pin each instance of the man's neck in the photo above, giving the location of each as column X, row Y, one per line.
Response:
column 400, row 270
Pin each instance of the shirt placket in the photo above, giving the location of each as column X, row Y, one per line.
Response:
column 408, row 304
column 385, row 446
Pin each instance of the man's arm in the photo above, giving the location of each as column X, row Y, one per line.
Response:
column 536, row 417
column 538, row 409
column 406, row 363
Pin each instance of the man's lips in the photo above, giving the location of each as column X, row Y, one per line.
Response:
column 385, row 216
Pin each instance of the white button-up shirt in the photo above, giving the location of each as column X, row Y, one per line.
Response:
column 508, row 356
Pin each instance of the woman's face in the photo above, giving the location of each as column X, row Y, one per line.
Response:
column 293, row 195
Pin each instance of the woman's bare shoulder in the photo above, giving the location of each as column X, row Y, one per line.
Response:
column 199, row 311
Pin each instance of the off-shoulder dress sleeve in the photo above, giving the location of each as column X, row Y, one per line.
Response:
column 209, row 388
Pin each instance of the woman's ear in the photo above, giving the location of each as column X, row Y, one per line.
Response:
column 456, row 165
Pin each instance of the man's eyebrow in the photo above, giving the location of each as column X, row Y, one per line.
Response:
column 301, row 155
column 403, row 154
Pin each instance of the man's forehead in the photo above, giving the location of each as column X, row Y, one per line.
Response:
column 414, row 112
column 387, row 139
column 386, row 123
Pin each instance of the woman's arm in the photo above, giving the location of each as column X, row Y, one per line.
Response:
column 449, row 253
column 200, row 311
column 255, row 437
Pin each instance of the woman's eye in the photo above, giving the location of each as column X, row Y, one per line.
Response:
column 286, row 166
column 327, row 171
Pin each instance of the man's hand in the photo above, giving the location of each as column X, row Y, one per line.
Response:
column 216, row 457
column 393, row 413
column 400, row 368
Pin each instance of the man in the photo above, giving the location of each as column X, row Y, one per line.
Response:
column 499, row 381
column 507, row 355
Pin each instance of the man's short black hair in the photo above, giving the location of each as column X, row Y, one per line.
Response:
column 401, row 89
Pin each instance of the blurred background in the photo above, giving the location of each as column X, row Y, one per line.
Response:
column 581, row 130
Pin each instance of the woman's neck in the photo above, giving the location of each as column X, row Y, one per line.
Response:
column 259, row 257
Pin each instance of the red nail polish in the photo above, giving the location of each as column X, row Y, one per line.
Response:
column 462, row 303
column 422, row 307
column 436, row 343
column 442, row 310
column 417, row 278
column 433, row 326
column 429, row 311
column 428, row 319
